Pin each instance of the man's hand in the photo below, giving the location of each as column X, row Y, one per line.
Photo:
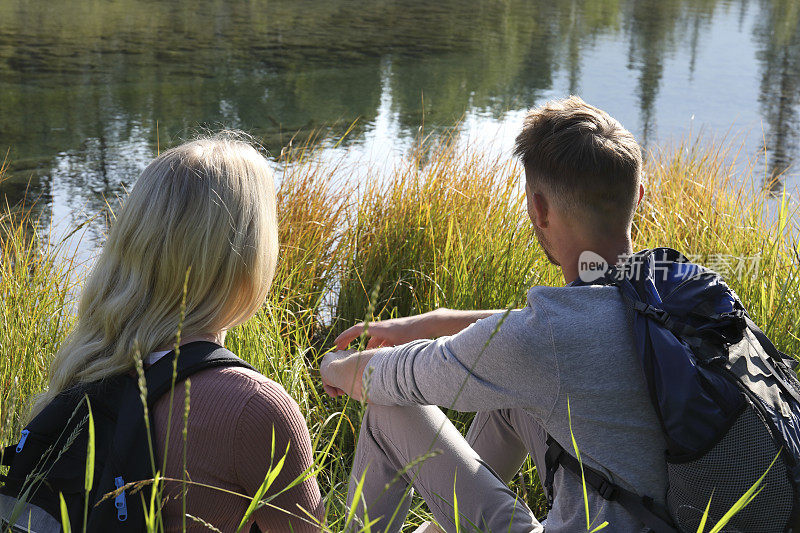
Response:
column 342, row 373
column 402, row 330
column 392, row 332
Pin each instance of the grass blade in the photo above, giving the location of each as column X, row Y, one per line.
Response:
column 702, row 526
column 456, row 517
column 742, row 502
column 90, row 453
column 356, row 498
column 65, row 524
column 272, row 474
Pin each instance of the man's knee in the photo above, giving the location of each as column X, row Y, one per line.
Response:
column 392, row 419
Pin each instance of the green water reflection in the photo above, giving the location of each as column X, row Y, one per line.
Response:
column 84, row 83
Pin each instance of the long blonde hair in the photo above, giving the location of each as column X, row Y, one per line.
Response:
column 206, row 207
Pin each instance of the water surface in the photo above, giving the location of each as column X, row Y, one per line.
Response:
column 89, row 88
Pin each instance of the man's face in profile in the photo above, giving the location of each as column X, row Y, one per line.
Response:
column 545, row 244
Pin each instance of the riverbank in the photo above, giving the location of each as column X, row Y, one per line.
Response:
column 446, row 228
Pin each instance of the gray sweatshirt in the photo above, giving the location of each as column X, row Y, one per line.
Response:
column 571, row 343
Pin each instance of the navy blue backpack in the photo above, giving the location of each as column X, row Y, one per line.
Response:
column 728, row 402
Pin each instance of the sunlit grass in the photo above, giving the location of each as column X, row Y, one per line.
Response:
column 446, row 228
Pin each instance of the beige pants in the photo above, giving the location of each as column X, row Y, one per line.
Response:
column 404, row 447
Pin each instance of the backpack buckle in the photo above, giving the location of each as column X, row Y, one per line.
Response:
column 654, row 313
column 608, row 491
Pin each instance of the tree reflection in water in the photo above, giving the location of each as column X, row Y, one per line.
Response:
column 83, row 85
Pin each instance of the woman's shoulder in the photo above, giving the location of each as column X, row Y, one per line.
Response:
column 265, row 413
column 234, row 375
column 253, row 395
column 237, row 384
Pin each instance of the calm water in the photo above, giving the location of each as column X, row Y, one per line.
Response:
column 87, row 86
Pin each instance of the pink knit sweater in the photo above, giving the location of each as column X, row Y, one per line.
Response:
column 233, row 412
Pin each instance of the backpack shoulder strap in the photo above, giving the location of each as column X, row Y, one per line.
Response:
column 128, row 459
column 769, row 347
column 192, row 358
column 8, row 454
column 782, row 366
column 643, row 508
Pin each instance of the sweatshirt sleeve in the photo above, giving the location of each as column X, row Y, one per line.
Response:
column 503, row 361
column 271, row 408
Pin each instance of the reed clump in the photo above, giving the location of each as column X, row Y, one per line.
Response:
column 35, row 304
column 447, row 227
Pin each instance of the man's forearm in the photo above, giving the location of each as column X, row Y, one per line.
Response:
column 451, row 321
column 393, row 332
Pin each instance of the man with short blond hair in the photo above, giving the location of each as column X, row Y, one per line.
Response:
column 584, row 159
column 563, row 365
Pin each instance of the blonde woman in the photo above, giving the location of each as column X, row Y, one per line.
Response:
column 206, row 207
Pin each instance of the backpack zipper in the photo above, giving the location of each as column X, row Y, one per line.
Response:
column 23, row 436
column 119, row 501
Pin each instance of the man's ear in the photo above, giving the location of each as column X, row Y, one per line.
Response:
column 641, row 194
column 540, row 210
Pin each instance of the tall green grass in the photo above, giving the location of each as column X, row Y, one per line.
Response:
column 35, row 293
column 445, row 228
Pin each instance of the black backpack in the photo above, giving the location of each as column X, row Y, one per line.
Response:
column 50, row 457
column 728, row 402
